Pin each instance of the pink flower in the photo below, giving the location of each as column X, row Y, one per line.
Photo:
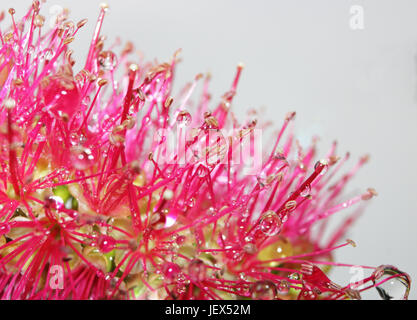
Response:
column 96, row 201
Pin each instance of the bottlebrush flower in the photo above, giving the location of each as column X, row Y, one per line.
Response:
column 95, row 203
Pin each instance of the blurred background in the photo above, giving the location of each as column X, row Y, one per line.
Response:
column 348, row 68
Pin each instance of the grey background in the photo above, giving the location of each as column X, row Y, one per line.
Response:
column 356, row 86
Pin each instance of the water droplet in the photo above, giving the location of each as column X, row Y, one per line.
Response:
column 321, row 165
column 74, row 139
column 212, row 211
column 107, row 60
column 290, row 205
column 180, row 240
column 237, row 255
column 270, row 223
column 184, row 119
column 191, row 202
column 54, row 202
column 264, row 290
column 60, row 94
column 249, row 239
column 181, row 288
column 82, row 158
column 305, row 191
column 197, row 270
column 294, row 276
column 171, row 270
column 180, row 276
column 396, row 284
column 100, row 273
column 283, row 287
column 106, row 243
column 250, row 248
column 4, row 228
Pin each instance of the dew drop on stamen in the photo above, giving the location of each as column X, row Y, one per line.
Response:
column 61, row 94
column 212, row 211
column 321, row 165
column 305, row 191
column 184, row 119
column 270, row 223
column 107, row 60
column 171, row 270
column 294, row 276
column 181, row 288
column 283, row 287
column 264, row 290
column 249, row 239
column 74, row 139
column 4, row 228
column 197, row 270
column 397, row 287
column 106, row 243
column 191, row 202
column 237, row 255
column 180, row 240
column 82, row 158
column 250, row 248
column 54, row 202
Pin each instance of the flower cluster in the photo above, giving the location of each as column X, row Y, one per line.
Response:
column 94, row 206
